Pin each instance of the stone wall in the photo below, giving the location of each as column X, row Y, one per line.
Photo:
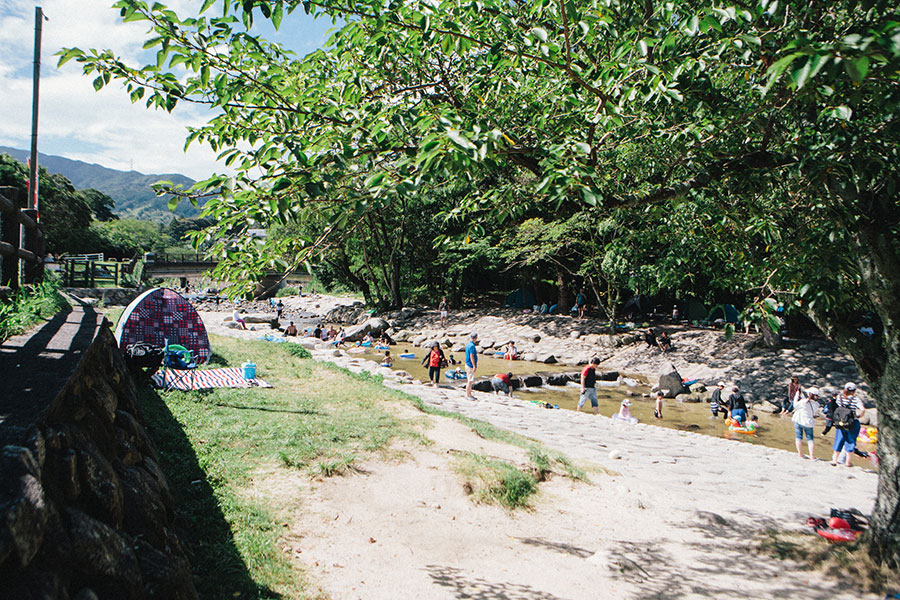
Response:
column 85, row 511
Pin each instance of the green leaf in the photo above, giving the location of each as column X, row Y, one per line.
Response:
column 98, row 83
column 540, row 33
column 586, row 148
column 857, row 68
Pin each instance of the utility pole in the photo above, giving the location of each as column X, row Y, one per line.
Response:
column 31, row 239
column 33, row 171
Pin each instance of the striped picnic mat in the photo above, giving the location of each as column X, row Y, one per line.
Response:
column 201, row 379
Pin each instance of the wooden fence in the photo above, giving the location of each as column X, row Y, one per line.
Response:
column 97, row 273
column 21, row 241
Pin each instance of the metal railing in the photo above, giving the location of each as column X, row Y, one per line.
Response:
column 21, row 241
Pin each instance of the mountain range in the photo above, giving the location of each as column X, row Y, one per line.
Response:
column 131, row 190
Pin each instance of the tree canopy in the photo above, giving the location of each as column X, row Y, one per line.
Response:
column 746, row 147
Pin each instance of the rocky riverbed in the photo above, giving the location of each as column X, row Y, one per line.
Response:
column 697, row 353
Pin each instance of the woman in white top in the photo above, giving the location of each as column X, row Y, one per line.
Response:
column 804, row 419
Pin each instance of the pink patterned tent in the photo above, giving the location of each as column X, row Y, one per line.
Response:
column 160, row 314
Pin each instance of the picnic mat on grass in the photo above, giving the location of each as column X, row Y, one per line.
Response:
column 201, row 379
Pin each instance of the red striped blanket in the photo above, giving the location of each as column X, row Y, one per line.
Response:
column 201, row 379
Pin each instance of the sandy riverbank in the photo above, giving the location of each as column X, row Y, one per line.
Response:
column 673, row 516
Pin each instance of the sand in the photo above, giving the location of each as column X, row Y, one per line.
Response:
column 666, row 514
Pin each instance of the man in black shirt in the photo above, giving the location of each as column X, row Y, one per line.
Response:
column 737, row 406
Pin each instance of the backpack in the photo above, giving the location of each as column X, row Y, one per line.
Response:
column 843, row 417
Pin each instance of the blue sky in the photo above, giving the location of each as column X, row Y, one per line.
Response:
column 104, row 127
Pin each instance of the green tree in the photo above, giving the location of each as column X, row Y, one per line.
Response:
column 781, row 113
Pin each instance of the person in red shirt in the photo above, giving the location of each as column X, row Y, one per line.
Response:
column 502, row 382
column 588, row 383
column 435, row 359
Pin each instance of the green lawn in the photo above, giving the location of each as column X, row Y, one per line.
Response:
column 223, row 449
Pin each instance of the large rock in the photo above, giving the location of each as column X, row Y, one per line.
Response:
column 100, row 552
column 689, row 398
column 546, row 358
column 24, row 515
column 670, row 381
column 483, row 385
column 532, row 380
column 608, row 375
column 374, row 326
column 344, row 314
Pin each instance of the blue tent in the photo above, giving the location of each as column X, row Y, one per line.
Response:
column 726, row 312
column 521, row 298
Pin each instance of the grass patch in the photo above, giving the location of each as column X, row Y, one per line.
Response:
column 29, row 306
column 543, row 460
column 852, row 560
column 214, row 445
column 296, row 350
column 493, row 481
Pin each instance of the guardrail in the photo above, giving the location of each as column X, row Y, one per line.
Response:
column 96, row 273
column 21, row 241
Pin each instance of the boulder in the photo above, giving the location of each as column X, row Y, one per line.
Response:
column 24, row 505
column 529, row 356
column 532, row 380
column 870, row 418
column 536, row 338
column 691, row 398
column 483, row 385
column 373, row 326
column 670, row 381
column 344, row 314
column 546, row 358
column 608, row 375
column 557, row 379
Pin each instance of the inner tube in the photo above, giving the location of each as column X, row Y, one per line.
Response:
column 366, row 344
column 408, row 355
column 500, row 354
column 454, row 375
column 382, row 347
column 618, row 417
column 385, row 365
column 838, row 535
column 689, row 382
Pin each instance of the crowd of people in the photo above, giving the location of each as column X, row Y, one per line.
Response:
column 841, row 412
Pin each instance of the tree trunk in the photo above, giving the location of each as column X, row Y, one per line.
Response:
column 563, row 302
column 878, row 359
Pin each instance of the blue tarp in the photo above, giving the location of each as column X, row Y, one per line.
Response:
column 521, row 298
column 727, row 312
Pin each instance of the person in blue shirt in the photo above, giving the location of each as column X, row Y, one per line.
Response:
column 471, row 364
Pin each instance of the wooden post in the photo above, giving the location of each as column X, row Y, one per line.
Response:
column 117, row 274
column 33, row 241
column 90, row 276
column 9, row 232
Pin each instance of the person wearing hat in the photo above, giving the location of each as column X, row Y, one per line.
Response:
column 737, row 406
column 588, row 386
column 435, row 359
column 715, row 401
column 501, row 383
column 846, row 427
column 805, row 408
column 625, row 411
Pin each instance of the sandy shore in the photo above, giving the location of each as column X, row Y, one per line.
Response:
column 672, row 517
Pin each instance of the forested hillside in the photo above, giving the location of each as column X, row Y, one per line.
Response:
column 132, row 191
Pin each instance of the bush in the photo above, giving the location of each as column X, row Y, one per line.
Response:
column 296, row 350
column 28, row 306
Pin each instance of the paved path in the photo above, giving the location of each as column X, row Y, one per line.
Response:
column 34, row 366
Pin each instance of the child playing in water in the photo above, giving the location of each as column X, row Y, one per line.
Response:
column 624, row 411
column 659, row 400
column 752, row 424
column 388, row 360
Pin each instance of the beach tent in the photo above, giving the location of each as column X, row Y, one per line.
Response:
column 639, row 304
column 521, row 298
column 727, row 312
column 162, row 314
column 693, row 310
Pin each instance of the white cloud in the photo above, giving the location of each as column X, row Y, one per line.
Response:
column 79, row 123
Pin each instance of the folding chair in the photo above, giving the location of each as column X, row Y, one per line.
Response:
column 177, row 359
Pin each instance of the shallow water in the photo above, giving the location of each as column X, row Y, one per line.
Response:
column 774, row 431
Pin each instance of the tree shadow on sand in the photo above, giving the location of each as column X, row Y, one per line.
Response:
column 722, row 563
column 462, row 585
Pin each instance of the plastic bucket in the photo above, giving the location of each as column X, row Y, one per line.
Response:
column 249, row 370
